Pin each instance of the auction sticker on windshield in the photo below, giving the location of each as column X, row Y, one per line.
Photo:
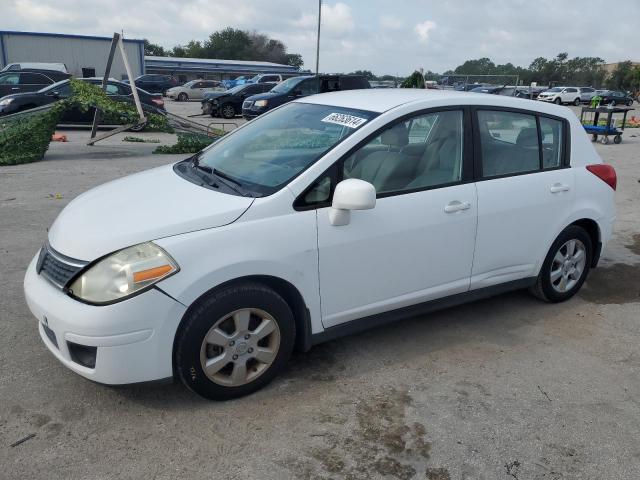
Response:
column 344, row 120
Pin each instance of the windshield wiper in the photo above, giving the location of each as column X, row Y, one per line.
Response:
column 217, row 172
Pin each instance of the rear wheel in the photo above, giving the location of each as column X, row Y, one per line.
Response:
column 617, row 139
column 234, row 341
column 228, row 111
column 183, row 97
column 565, row 267
column 604, row 140
column 557, row 101
column 594, row 138
column 576, row 102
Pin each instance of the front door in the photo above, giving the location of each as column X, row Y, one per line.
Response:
column 417, row 243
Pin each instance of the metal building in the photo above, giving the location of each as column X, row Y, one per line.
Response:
column 84, row 56
column 185, row 69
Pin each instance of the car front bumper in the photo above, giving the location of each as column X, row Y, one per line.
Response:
column 128, row 342
column 546, row 99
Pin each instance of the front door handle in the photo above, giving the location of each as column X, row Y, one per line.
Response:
column 559, row 187
column 456, row 206
column 15, row 88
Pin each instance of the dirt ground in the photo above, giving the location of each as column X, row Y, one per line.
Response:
column 500, row 389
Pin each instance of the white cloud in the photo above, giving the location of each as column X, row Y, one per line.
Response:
column 337, row 19
column 391, row 22
column 423, row 29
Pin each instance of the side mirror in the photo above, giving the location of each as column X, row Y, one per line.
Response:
column 351, row 194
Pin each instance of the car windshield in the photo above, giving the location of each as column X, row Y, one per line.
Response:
column 555, row 89
column 271, row 150
column 287, row 84
column 189, row 84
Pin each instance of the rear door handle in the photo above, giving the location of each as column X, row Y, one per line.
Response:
column 559, row 187
column 456, row 206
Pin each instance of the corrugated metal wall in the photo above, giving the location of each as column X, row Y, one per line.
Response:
column 76, row 52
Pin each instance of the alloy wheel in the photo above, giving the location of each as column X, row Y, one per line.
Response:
column 240, row 347
column 568, row 265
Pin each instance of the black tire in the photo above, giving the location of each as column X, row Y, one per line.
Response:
column 576, row 102
column 183, row 97
column 543, row 288
column 617, row 139
column 138, row 128
column 557, row 101
column 594, row 138
column 630, row 103
column 205, row 312
column 227, row 111
column 614, row 103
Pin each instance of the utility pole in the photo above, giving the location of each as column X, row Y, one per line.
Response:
column 318, row 42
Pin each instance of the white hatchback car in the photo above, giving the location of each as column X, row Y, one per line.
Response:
column 330, row 214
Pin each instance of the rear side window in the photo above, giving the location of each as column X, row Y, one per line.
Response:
column 552, row 135
column 34, row 79
column 509, row 143
column 513, row 143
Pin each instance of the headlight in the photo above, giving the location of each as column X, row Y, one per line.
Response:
column 261, row 103
column 124, row 273
column 5, row 102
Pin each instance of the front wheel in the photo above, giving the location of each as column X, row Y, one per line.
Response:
column 557, row 101
column 630, row 103
column 576, row 102
column 183, row 97
column 617, row 139
column 234, row 341
column 228, row 111
column 565, row 267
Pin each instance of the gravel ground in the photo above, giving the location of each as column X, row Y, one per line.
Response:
column 505, row 388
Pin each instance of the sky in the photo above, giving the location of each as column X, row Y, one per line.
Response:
column 385, row 36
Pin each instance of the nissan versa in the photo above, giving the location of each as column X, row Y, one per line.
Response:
column 323, row 217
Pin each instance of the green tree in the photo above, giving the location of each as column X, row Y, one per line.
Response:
column 415, row 80
column 368, row 74
column 294, row 59
column 153, row 49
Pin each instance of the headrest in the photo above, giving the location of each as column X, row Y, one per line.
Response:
column 396, row 136
column 528, row 137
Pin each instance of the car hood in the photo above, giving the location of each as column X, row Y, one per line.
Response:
column 212, row 95
column 265, row 96
column 141, row 207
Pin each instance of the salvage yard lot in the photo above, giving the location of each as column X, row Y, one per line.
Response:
column 502, row 388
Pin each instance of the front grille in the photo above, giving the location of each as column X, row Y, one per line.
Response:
column 247, row 104
column 57, row 268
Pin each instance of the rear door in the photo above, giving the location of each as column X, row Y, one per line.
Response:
column 32, row 82
column 525, row 192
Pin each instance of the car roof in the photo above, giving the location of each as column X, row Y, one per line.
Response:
column 382, row 100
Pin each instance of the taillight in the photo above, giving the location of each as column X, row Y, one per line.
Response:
column 604, row 172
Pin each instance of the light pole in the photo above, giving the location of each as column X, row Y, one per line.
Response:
column 318, row 41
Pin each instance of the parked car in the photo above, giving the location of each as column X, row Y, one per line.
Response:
column 194, row 90
column 297, row 87
column 118, row 90
column 530, row 93
column 268, row 78
column 493, row 90
column 614, row 97
column 586, row 94
column 332, row 214
column 29, row 80
column 228, row 104
column 560, row 95
column 59, row 67
column 153, row 83
column 239, row 80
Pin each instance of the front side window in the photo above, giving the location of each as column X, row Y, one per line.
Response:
column 509, row 143
column 424, row 151
column 308, row 87
column 271, row 150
